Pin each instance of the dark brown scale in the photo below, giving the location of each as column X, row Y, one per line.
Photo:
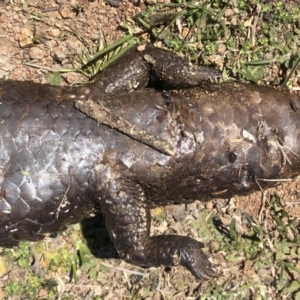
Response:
column 57, row 164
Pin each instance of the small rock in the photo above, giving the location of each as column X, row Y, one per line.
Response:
column 3, row 75
column 179, row 212
column 74, row 45
column 36, row 53
column 98, row 290
column 43, row 293
column 176, row 227
column 74, row 3
column 156, row 296
column 233, row 21
column 59, row 55
column 222, row 48
column 194, row 211
column 209, row 205
column 25, row 37
column 54, row 32
column 60, row 52
column 65, row 12
column 228, row 12
column 141, row 48
column 5, row 63
column 114, row 3
column 185, row 32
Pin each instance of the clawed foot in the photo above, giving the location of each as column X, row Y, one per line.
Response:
column 127, row 208
column 190, row 255
column 174, row 250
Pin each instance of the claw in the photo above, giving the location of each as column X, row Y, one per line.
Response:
column 193, row 258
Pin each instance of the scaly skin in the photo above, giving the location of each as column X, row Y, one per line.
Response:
column 57, row 164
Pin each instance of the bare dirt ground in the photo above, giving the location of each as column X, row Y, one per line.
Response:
column 38, row 36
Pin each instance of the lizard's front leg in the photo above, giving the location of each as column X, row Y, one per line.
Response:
column 134, row 69
column 128, row 222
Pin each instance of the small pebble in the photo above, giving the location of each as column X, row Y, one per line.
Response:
column 36, row 53
column 25, row 37
column 65, row 12
column 54, row 32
